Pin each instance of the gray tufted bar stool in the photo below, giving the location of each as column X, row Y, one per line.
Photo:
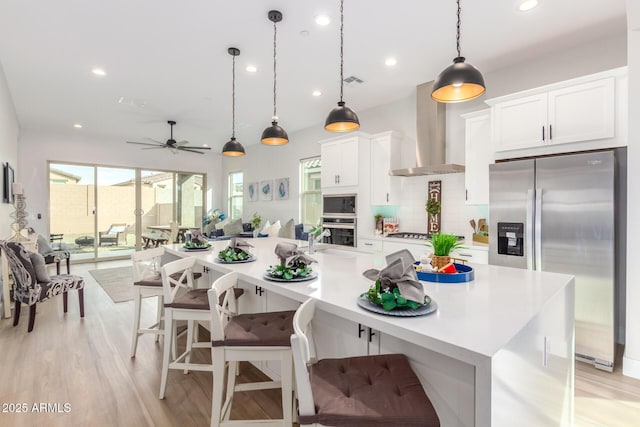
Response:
column 380, row 390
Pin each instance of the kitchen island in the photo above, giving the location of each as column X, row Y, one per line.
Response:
column 497, row 352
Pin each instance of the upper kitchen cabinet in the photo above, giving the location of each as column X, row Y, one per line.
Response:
column 580, row 114
column 477, row 156
column 341, row 162
column 385, row 155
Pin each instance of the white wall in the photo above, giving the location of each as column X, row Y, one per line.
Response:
column 38, row 147
column 631, row 360
column 9, row 133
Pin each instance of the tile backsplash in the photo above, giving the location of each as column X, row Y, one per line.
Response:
column 455, row 214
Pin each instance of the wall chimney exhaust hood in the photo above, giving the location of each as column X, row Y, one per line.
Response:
column 431, row 127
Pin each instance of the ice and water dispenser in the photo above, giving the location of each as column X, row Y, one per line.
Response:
column 511, row 238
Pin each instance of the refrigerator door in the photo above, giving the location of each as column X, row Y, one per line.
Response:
column 575, row 219
column 511, row 199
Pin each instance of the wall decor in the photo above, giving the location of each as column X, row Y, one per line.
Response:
column 7, row 191
column 266, row 190
column 282, row 189
column 252, row 191
column 435, row 193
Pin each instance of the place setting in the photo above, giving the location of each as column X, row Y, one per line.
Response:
column 294, row 266
column 197, row 243
column 396, row 290
column 236, row 253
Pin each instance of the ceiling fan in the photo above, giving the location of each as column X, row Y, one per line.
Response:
column 171, row 143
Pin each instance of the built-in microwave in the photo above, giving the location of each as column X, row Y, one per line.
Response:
column 338, row 205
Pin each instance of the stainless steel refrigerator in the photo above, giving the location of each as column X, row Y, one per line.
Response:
column 557, row 214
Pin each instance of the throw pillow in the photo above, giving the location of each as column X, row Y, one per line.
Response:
column 220, row 225
column 233, row 228
column 40, row 267
column 273, row 230
column 265, row 228
column 288, row 230
column 43, row 245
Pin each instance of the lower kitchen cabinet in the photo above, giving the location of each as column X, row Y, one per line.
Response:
column 337, row 337
column 370, row 245
column 473, row 255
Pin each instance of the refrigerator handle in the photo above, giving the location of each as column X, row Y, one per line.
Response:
column 529, row 230
column 538, row 230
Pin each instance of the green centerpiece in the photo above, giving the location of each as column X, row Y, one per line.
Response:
column 231, row 254
column 443, row 244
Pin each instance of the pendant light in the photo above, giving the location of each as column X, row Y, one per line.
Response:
column 342, row 118
column 274, row 134
column 458, row 82
column 232, row 147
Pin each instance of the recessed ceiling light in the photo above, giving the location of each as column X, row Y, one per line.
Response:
column 316, row 93
column 323, row 20
column 390, row 62
column 527, row 5
column 77, row 126
column 251, row 68
column 99, row 72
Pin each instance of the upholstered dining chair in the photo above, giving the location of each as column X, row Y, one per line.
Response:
column 378, row 390
column 247, row 337
column 32, row 283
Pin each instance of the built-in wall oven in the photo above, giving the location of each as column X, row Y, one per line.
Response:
column 339, row 217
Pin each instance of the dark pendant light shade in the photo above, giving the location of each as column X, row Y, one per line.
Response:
column 460, row 81
column 233, row 148
column 274, row 134
column 342, row 118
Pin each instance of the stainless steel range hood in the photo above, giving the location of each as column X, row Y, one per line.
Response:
column 431, row 127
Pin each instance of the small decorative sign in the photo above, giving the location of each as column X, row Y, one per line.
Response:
column 435, row 193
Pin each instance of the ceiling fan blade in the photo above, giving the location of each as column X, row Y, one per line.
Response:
column 189, row 150
column 153, row 148
column 154, row 140
column 182, row 143
column 145, row 143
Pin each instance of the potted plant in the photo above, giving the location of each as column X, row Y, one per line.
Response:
column 442, row 245
column 378, row 219
column 256, row 220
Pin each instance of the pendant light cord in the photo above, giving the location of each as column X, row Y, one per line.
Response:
column 341, row 47
column 275, row 116
column 233, row 99
column 458, row 30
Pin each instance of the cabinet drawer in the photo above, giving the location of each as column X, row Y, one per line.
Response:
column 370, row 245
column 474, row 256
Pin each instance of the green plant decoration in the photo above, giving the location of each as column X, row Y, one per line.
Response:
column 256, row 220
column 390, row 299
column 316, row 230
column 233, row 255
column 432, row 206
column 281, row 271
column 443, row 243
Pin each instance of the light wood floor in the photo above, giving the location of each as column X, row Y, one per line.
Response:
column 86, row 364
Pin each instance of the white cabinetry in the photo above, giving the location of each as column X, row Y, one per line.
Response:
column 339, row 163
column 473, row 255
column 588, row 112
column 477, row 156
column 369, row 245
column 385, row 155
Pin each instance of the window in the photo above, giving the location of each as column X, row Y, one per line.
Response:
column 310, row 191
column 235, row 195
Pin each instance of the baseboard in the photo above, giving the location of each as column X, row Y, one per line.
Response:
column 631, row 367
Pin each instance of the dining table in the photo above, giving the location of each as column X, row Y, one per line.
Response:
column 182, row 229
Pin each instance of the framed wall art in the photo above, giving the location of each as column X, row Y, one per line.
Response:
column 282, row 189
column 266, row 190
column 7, row 190
column 252, row 191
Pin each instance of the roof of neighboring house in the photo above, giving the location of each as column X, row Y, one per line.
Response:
column 160, row 177
column 63, row 173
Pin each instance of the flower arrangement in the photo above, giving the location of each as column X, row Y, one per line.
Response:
column 233, row 255
column 213, row 217
column 316, row 230
column 281, row 271
column 391, row 298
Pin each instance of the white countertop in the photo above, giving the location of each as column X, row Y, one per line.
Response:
column 466, row 243
column 473, row 321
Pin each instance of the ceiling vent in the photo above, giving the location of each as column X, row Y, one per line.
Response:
column 353, row 81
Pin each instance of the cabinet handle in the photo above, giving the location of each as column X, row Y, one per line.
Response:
column 368, row 244
column 469, row 255
column 371, row 334
column 205, row 269
column 259, row 291
column 466, row 194
column 543, row 133
column 550, row 132
column 360, row 330
column 387, row 197
column 338, row 179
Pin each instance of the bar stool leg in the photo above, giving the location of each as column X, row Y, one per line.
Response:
column 190, row 325
column 286, row 377
column 159, row 309
column 219, row 372
column 168, row 341
column 136, row 320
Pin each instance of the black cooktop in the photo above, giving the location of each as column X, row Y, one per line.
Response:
column 414, row 236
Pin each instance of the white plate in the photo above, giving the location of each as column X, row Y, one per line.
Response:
column 363, row 302
column 310, row 276
column 196, row 249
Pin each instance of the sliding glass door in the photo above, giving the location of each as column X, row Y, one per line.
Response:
column 126, row 207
